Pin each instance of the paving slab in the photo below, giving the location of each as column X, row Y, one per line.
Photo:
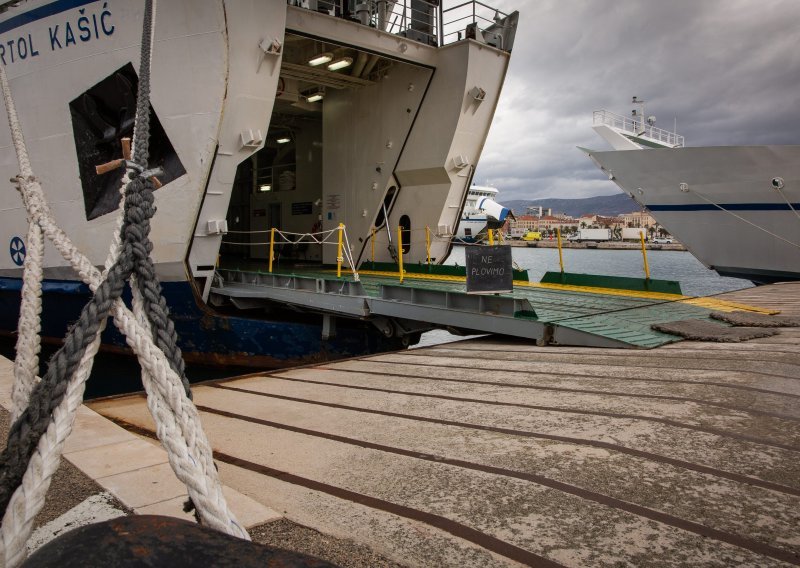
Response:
column 493, row 452
column 135, row 471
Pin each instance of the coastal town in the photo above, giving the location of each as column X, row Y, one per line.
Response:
column 543, row 221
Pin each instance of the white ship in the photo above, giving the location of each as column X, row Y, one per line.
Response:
column 297, row 116
column 481, row 212
column 736, row 208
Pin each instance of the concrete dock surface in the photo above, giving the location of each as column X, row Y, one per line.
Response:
column 490, row 452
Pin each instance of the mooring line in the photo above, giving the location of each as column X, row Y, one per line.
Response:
column 740, row 478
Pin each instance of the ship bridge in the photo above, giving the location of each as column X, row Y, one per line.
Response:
column 633, row 133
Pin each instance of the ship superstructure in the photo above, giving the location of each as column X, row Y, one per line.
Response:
column 267, row 114
column 736, row 208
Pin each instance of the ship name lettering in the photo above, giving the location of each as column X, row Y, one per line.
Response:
column 88, row 26
column 17, row 49
column 54, row 38
column 106, row 13
column 69, row 37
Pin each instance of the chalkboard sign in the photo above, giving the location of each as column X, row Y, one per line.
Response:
column 489, row 269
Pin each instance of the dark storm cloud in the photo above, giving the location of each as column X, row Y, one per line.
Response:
column 729, row 70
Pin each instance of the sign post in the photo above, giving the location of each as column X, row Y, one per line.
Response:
column 489, row 269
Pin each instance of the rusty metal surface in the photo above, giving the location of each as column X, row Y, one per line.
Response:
column 150, row 540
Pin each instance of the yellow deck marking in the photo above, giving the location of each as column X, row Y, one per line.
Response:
column 414, row 276
column 728, row 306
column 605, row 291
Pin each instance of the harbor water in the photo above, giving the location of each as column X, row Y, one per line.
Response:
column 695, row 279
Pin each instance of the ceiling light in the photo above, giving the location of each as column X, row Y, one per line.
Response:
column 340, row 63
column 265, row 187
column 283, row 140
column 314, row 96
column 320, row 59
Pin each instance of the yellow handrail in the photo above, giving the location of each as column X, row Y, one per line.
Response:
column 271, row 246
column 491, row 237
column 400, row 251
column 428, row 242
column 644, row 255
column 339, row 252
column 560, row 255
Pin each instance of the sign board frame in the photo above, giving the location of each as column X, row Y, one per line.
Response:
column 489, row 269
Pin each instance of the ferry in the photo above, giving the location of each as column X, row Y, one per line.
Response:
column 481, row 212
column 298, row 116
column 735, row 208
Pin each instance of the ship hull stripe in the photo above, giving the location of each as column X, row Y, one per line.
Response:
column 726, row 206
column 42, row 12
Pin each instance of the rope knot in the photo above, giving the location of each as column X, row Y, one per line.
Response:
column 136, row 170
column 21, row 180
column 133, row 169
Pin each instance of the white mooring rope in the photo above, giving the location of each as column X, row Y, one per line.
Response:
column 177, row 421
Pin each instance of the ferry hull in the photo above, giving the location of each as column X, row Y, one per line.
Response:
column 206, row 337
column 721, row 203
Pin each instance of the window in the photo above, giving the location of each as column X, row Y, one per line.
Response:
column 405, row 229
column 387, row 205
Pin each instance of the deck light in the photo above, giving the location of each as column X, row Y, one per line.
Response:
column 340, row 63
column 320, row 59
column 265, row 187
column 314, row 96
column 283, row 140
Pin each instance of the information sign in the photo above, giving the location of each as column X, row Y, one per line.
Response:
column 489, row 269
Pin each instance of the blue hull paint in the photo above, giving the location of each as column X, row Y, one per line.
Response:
column 726, row 207
column 205, row 336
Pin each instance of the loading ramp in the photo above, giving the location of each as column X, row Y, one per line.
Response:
column 546, row 313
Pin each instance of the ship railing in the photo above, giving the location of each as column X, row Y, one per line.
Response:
column 278, row 241
column 419, row 20
column 635, row 127
column 407, row 239
column 425, row 21
column 475, row 20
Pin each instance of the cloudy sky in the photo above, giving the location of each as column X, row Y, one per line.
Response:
column 728, row 70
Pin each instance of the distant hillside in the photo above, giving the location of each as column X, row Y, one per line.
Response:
column 606, row 205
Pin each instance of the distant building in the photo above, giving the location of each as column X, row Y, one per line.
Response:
column 610, row 222
column 538, row 211
column 552, row 222
column 639, row 219
column 529, row 222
